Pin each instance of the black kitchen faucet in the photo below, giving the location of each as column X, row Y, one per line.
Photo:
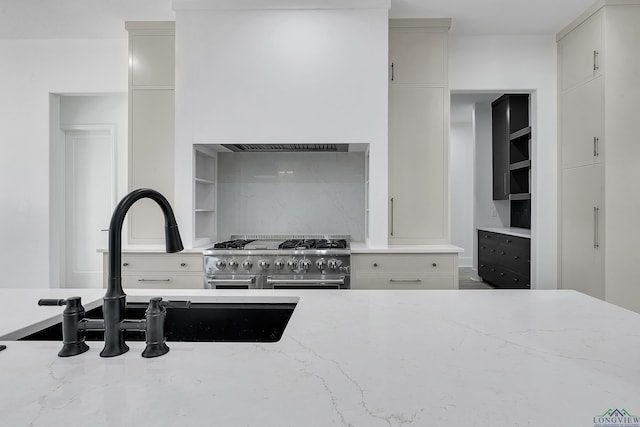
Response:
column 114, row 301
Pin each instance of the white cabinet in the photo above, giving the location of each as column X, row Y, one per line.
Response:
column 581, row 124
column 153, row 270
column 580, row 52
column 598, row 60
column 404, row 271
column 581, row 237
column 418, row 131
column 151, row 124
column 417, row 54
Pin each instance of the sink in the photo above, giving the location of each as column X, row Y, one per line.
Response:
column 201, row 322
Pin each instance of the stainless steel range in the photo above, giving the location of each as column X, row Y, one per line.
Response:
column 279, row 262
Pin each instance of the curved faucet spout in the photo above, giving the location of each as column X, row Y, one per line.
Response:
column 114, row 301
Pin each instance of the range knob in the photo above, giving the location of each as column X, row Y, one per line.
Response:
column 233, row 264
column 247, row 264
column 278, row 264
column 305, row 264
column 333, row 264
column 321, row 264
column 263, row 264
column 221, row 264
column 292, row 264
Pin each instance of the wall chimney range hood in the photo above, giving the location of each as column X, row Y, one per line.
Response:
column 307, row 148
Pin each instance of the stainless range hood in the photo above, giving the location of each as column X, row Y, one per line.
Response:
column 255, row 148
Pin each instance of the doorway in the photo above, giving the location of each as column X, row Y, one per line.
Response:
column 472, row 199
column 88, row 139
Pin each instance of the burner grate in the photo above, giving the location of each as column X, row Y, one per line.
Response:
column 232, row 244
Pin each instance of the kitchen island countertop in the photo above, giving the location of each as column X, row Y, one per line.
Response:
column 360, row 358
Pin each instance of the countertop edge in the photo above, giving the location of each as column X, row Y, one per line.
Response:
column 511, row 231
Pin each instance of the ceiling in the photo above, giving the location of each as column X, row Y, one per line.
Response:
column 104, row 18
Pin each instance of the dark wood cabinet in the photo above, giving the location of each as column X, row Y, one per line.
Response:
column 500, row 147
column 511, row 145
column 504, row 260
column 511, row 155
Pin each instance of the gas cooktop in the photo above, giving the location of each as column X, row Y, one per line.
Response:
column 279, row 243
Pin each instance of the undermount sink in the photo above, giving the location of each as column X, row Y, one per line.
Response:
column 200, row 322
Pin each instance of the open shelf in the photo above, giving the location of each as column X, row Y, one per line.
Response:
column 519, row 134
column 205, row 181
column 520, row 196
column 205, row 175
column 520, row 165
column 519, row 182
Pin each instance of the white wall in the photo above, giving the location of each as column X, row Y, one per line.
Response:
column 30, row 71
column 516, row 63
column 285, row 76
column 461, row 170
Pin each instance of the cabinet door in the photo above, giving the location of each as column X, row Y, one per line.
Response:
column 582, row 232
column 500, row 148
column 581, row 124
column 417, row 163
column 152, row 60
column 151, row 160
column 417, row 56
column 580, row 53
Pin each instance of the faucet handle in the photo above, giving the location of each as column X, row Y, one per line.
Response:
column 72, row 336
column 176, row 303
column 155, row 316
column 55, row 302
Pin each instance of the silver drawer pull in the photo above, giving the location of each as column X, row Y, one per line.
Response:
column 229, row 281
column 405, row 280
column 154, row 280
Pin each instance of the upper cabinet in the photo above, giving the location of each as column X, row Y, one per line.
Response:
column 151, row 124
column 418, row 131
column 581, row 55
column 417, row 54
column 152, row 55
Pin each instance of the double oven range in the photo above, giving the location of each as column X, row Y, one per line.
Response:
column 279, row 262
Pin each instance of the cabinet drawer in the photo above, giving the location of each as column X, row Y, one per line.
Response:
column 402, row 281
column 134, row 263
column 151, row 280
column 400, row 263
column 503, row 278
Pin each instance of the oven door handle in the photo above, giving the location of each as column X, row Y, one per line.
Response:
column 302, row 282
column 213, row 281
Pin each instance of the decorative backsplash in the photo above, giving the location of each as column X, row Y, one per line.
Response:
column 291, row 193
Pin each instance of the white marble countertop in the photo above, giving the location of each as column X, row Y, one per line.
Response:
column 347, row 358
column 512, row 231
column 362, row 248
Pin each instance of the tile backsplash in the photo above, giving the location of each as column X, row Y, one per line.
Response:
column 291, row 193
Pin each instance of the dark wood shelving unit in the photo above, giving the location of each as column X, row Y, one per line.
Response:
column 504, row 260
